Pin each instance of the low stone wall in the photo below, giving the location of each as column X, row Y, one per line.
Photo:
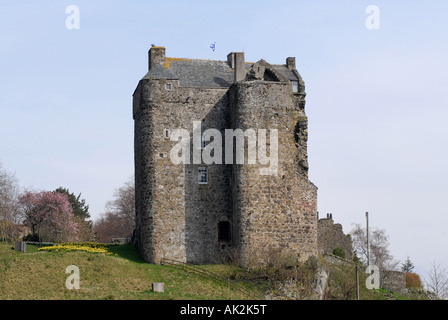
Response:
column 393, row 280
column 336, row 260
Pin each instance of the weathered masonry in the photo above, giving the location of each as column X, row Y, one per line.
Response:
column 192, row 211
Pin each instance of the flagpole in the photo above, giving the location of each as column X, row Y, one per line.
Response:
column 213, row 46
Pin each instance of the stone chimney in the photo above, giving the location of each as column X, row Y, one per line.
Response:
column 231, row 59
column 291, row 63
column 236, row 62
column 155, row 54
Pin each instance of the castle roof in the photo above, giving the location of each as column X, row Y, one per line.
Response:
column 205, row 73
column 284, row 71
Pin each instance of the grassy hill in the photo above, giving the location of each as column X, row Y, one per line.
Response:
column 41, row 275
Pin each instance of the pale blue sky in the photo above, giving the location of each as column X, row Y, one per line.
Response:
column 376, row 99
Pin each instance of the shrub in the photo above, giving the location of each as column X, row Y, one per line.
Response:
column 338, row 251
column 31, row 237
column 413, row 280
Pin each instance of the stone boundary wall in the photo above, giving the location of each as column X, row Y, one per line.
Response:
column 393, row 280
column 389, row 279
column 336, row 260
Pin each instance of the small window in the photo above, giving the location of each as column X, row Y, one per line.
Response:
column 224, row 231
column 202, row 175
column 168, row 86
column 295, row 86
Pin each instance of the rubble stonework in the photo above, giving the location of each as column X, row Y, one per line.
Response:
column 393, row 280
column 181, row 219
column 330, row 236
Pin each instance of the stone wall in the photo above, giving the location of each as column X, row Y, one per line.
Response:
column 177, row 217
column 393, row 280
column 331, row 236
column 271, row 211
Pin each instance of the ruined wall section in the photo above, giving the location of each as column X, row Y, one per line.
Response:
column 271, row 212
column 301, row 130
column 177, row 217
column 331, row 236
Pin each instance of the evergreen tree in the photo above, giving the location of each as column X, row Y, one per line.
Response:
column 407, row 266
column 80, row 208
column 81, row 215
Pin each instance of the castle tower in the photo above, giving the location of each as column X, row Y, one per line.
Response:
column 272, row 211
column 189, row 211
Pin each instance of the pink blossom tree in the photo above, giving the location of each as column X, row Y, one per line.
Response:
column 49, row 214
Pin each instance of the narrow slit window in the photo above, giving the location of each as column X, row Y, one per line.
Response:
column 168, row 86
column 202, row 175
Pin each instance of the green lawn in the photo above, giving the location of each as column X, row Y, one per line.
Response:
column 41, row 275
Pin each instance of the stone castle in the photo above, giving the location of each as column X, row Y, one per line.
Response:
column 192, row 210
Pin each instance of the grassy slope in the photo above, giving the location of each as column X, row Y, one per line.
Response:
column 41, row 275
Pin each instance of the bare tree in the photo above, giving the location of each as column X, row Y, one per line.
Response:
column 109, row 226
column 437, row 281
column 9, row 207
column 123, row 205
column 379, row 247
column 118, row 220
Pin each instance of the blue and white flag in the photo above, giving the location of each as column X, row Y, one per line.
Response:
column 212, row 46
